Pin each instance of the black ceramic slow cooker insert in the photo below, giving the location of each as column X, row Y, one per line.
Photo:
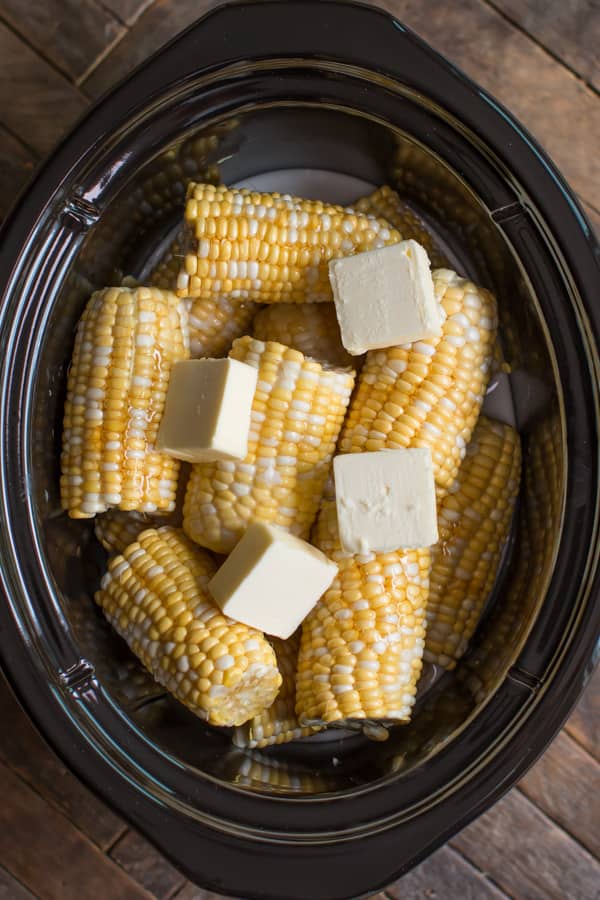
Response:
column 347, row 90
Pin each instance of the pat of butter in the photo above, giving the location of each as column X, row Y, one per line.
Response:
column 385, row 500
column 207, row 410
column 385, row 297
column 271, row 580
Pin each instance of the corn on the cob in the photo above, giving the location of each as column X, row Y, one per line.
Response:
column 539, row 517
column 297, row 414
column 257, row 771
column 214, row 322
column 278, row 724
column 311, row 328
column 429, row 393
column 268, row 247
column 362, row 645
column 125, row 345
column 155, row 597
column 117, row 529
column 386, row 204
column 474, row 521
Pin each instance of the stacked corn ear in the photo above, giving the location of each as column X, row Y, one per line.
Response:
column 362, row 645
column 214, row 322
column 258, row 770
column 428, row 393
column 278, row 724
column 474, row 522
column 155, row 596
column 268, row 248
column 311, row 328
column 297, row 413
column 116, row 529
column 125, row 345
column 539, row 517
column 386, row 204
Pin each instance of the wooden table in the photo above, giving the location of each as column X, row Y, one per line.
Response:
column 541, row 58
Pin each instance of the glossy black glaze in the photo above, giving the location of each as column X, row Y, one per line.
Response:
column 352, row 828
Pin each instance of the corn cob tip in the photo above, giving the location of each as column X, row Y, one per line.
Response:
column 155, row 596
column 297, row 414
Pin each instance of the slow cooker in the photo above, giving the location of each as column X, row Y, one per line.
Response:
column 337, row 95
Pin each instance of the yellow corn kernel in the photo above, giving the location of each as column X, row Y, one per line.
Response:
column 311, row 328
column 117, row 529
column 214, row 322
column 155, row 596
column 474, row 522
column 125, row 345
column 386, row 204
column 278, row 724
column 362, row 645
column 428, row 393
column 297, row 413
column 284, row 258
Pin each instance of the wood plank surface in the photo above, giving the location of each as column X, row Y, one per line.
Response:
column 555, row 785
column 36, row 102
column 16, row 165
column 71, row 34
column 127, row 10
column 445, row 874
column 147, row 866
column 11, row 889
column 47, row 854
column 552, row 103
column 22, row 748
column 569, row 29
column 158, row 24
column 546, row 97
column 526, row 855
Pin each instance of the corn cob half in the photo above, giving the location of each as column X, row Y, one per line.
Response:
column 278, row 724
column 386, row 204
column 214, row 322
column 311, row 328
column 117, row 529
column 125, row 345
column 428, row 393
column 155, row 596
column 297, row 414
column 268, row 247
column 362, row 645
column 474, row 521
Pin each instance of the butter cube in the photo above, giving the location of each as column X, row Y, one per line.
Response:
column 207, row 410
column 385, row 500
column 385, row 297
column 271, row 580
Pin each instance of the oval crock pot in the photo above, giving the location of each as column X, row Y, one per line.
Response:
column 298, row 85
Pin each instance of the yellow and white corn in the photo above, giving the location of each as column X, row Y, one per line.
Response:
column 268, row 247
column 297, row 413
column 386, row 204
column 362, row 645
column 278, row 724
column 155, row 596
column 214, row 322
column 117, row 529
column 311, row 328
column 474, row 520
column 428, row 393
column 125, row 344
